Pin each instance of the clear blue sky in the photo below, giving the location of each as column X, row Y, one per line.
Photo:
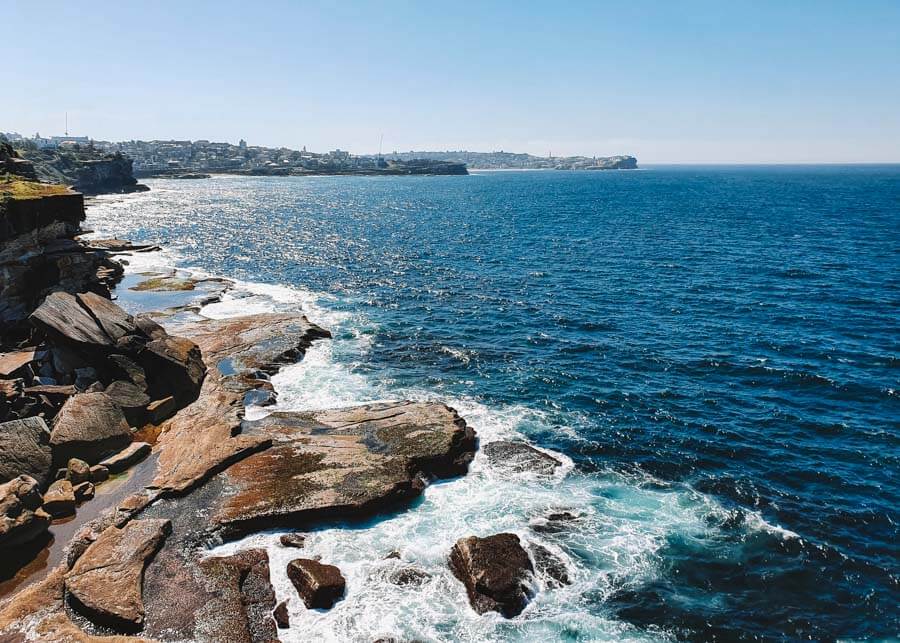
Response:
column 715, row 81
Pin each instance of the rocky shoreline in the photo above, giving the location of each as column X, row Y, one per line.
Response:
column 130, row 441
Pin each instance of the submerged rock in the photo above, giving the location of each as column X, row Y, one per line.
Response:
column 25, row 450
column 550, row 566
column 105, row 582
column 494, row 570
column 518, row 457
column 319, row 585
column 409, row 575
column 21, row 516
column 292, row 540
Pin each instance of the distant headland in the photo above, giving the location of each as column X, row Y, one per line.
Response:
column 196, row 159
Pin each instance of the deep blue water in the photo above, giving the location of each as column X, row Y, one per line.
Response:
column 730, row 331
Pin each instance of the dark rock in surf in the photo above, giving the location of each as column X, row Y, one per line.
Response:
column 550, row 566
column 319, row 585
column 281, row 616
column 292, row 540
column 495, row 571
column 519, row 457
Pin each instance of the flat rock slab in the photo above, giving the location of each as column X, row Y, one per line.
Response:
column 127, row 457
column 346, row 463
column 319, row 585
column 203, row 438
column 106, row 580
column 494, row 570
column 519, row 457
column 11, row 362
column 89, row 426
column 25, row 450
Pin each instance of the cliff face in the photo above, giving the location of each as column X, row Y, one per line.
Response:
column 86, row 170
column 39, row 253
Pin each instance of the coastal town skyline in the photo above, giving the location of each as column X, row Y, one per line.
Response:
column 743, row 83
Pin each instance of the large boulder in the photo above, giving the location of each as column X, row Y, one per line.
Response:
column 21, row 516
column 495, row 571
column 319, row 585
column 25, row 450
column 120, row 346
column 106, row 581
column 89, row 426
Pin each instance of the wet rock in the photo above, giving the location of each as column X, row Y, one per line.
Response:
column 99, row 473
column 131, row 399
column 25, row 450
column 128, row 457
column 165, row 284
column 518, row 457
column 292, row 540
column 409, row 575
column 319, row 585
column 83, row 492
column 59, row 500
column 495, row 571
column 78, row 471
column 281, row 616
column 554, row 522
column 345, row 462
column 550, row 566
column 240, row 609
column 393, row 555
column 105, row 582
column 89, row 426
column 21, row 516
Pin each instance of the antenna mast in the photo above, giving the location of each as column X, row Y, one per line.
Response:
column 67, row 123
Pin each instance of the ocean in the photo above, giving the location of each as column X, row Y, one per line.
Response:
column 712, row 352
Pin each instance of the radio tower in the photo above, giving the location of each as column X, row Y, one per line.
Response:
column 67, row 123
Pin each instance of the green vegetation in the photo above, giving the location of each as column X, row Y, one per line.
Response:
column 14, row 187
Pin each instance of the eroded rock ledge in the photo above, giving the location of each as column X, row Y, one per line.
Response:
column 218, row 476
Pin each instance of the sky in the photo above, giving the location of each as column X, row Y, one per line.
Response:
column 668, row 82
